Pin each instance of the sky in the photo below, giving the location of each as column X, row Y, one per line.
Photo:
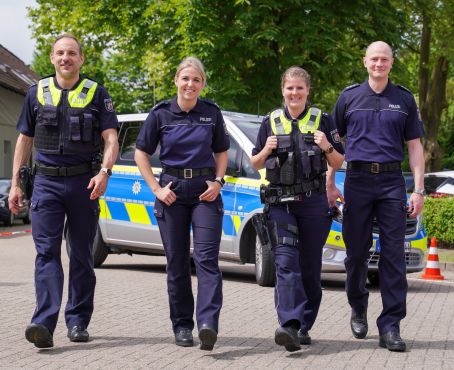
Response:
column 14, row 32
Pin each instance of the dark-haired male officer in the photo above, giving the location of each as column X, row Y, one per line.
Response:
column 66, row 117
column 377, row 117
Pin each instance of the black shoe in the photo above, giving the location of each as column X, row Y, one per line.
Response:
column 358, row 324
column 183, row 337
column 287, row 337
column 392, row 341
column 208, row 337
column 78, row 334
column 39, row 335
column 304, row 337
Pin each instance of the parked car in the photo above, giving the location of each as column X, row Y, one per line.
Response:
column 127, row 223
column 436, row 184
column 5, row 214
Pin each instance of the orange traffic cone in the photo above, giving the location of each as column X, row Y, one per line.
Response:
column 432, row 267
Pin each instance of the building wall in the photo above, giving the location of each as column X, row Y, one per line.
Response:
column 10, row 109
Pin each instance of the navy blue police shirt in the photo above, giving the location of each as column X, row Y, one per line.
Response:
column 326, row 126
column 376, row 125
column 101, row 106
column 187, row 139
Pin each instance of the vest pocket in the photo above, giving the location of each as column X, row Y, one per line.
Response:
column 74, row 128
column 48, row 116
column 87, row 131
column 273, row 170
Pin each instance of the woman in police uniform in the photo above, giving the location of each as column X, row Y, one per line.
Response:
column 194, row 144
column 294, row 144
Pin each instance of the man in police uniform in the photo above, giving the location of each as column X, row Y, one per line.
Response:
column 377, row 117
column 65, row 117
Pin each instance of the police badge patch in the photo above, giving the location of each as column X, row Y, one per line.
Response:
column 109, row 105
column 335, row 136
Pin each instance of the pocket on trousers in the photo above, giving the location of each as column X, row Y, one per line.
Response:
column 34, row 205
column 219, row 205
column 158, row 209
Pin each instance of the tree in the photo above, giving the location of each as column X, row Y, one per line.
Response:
column 133, row 47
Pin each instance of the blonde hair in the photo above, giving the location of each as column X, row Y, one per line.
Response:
column 194, row 63
column 295, row 71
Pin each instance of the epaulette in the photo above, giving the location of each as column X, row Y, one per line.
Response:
column 403, row 88
column 325, row 114
column 208, row 101
column 351, row 87
column 161, row 104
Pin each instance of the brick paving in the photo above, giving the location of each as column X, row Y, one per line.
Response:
column 130, row 328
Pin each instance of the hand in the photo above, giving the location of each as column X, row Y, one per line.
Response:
column 333, row 193
column 321, row 140
column 15, row 199
column 271, row 144
column 166, row 195
column 212, row 192
column 415, row 204
column 99, row 184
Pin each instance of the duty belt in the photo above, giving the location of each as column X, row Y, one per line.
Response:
column 274, row 194
column 188, row 173
column 63, row 171
column 373, row 167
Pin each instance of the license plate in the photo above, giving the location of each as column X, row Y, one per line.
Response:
column 376, row 246
column 407, row 247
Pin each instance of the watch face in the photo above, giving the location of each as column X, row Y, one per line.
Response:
column 109, row 172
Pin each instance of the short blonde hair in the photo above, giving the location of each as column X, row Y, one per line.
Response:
column 194, row 63
column 295, row 71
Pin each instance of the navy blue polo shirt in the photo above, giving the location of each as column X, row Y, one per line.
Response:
column 377, row 125
column 187, row 139
column 326, row 126
column 101, row 106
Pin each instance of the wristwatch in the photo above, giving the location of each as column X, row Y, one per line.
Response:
column 329, row 150
column 107, row 171
column 420, row 191
column 220, row 180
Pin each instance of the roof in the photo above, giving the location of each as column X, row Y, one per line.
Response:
column 15, row 75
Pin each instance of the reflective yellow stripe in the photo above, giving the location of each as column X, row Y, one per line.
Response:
column 55, row 93
column 420, row 243
column 335, row 238
column 75, row 101
column 137, row 213
column 302, row 123
column 236, row 222
column 104, row 210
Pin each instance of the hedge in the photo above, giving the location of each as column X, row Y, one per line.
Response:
column 438, row 217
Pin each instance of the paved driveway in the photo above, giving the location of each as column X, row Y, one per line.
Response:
column 130, row 328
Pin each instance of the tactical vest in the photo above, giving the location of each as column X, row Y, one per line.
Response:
column 298, row 158
column 65, row 123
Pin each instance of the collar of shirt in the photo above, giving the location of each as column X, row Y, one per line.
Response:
column 175, row 108
column 386, row 92
column 302, row 114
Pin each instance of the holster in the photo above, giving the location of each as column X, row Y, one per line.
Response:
column 26, row 178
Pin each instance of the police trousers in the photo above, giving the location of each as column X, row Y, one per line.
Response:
column 175, row 224
column 382, row 196
column 298, row 291
column 54, row 198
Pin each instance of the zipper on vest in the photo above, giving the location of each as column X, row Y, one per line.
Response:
column 61, row 117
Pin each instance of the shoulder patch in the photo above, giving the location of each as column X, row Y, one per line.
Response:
column 351, row 87
column 211, row 102
column 403, row 88
column 161, row 104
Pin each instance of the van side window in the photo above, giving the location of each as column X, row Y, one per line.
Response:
column 127, row 139
column 239, row 164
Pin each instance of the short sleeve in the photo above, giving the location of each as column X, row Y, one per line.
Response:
column 338, row 115
column 107, row 116
column 414, row 127
column 27, row 119
column 221, row 141
column 330, row 130
column 262, row 135
column 148, row 137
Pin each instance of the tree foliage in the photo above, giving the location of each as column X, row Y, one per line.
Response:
column 133, row 47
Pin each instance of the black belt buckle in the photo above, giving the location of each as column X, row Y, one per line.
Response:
column 375, row 167
column 187, row 173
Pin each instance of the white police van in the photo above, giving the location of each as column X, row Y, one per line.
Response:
column 127, row 223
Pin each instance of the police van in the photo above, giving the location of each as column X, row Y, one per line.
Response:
column 127, row 223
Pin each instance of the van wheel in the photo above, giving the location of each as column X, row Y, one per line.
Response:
column 265, row 271
column 374, row 279
column 100, row 249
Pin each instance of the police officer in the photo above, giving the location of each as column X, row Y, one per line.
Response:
column 294, row 144
column 194, row 144
column 377, row 117
column 65, row 117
